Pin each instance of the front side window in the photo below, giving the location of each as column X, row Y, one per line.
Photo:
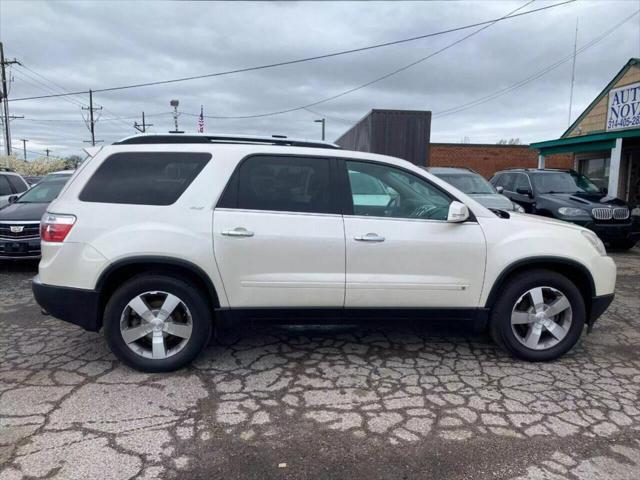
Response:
column 281, row 184
column 5, row 188
column 507, row 180
column 144, row 178
column 17, row 183
column 521, row 182
column 402, row 194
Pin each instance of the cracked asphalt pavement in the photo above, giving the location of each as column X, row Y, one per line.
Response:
column 379, row 402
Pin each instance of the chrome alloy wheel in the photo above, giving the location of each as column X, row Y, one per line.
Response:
column 541, row 318
column 156, row 325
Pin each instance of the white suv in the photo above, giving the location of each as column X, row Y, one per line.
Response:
column 160, row 239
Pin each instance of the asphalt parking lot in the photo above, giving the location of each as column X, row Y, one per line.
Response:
column 317, row 403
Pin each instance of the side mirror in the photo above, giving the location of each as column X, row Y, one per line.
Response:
column 458, row 212
column 500, row 190
column 524, row 191
column 12, row 198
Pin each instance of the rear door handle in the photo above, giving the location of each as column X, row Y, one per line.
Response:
column 369, row 237
column 238, row 232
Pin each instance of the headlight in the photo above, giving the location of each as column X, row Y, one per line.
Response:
column 595, row 241
column 635, row 212
column 518, row 208
column 573, row 212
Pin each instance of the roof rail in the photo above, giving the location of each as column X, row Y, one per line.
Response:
column 147, row 139
column 6, row 169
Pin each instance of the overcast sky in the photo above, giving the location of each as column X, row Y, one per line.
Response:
column 81, row 45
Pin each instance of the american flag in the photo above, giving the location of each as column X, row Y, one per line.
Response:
column 201, row 120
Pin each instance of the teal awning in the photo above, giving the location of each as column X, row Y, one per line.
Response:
column 585, row 143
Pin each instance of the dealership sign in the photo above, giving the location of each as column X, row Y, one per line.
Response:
column 624, row 107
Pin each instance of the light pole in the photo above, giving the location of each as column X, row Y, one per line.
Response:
column 24, row 147
column 322, row 121
column 174, row 104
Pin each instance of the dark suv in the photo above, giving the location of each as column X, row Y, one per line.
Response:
column 570, row 196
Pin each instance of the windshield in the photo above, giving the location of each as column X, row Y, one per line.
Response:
column 46, row 191
column 468, row 183
column 563, row 182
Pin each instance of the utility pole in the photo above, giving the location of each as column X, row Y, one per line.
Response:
column 47, row 151
column 5, row 101
column 142, row 127
column 573, row 72
column 322, row 121
column 24, row 147
column 92, row 121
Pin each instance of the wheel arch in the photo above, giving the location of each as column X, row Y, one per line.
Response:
column 121, row 271
column 574, row 271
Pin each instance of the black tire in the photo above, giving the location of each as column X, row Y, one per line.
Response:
column 191, row 297
column 623, row 244
column 516, row 286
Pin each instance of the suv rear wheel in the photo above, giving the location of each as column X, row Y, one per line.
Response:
column 157, row 323
column 539, row 316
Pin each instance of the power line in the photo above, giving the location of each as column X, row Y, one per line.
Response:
column 376, row 80
column 301, row 60
column 536, row 75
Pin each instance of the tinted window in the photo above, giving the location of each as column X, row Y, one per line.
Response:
column 521, row 182
column 46, row 191
column 149, row 178
column 403, row 195
column 5, row 188
column 16, row 182
column 283, row 184
column 506, row 181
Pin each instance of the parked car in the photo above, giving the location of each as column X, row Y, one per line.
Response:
column 475, row 185
column 11, row 183
column 159, row 238
column 20, row 219
column 570, row 196
column 32, row 180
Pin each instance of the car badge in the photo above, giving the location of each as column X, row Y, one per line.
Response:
column 17, row 228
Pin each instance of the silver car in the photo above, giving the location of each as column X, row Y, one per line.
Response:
column 475, row 185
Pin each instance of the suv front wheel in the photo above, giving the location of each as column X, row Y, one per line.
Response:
column 539, row 315
column 157, row 323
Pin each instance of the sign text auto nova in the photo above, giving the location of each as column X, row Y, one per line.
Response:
column 624, row 107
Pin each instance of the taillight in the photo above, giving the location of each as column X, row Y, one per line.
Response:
column 55, row 227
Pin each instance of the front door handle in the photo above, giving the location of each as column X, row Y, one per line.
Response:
column 369, row 237
column 238, row 232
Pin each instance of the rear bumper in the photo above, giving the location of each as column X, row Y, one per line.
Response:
column 598, row 306
column 73, row 305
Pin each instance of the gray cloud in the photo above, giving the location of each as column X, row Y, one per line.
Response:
column 82, row 45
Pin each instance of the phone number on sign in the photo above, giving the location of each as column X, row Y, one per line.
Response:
column 624, row 122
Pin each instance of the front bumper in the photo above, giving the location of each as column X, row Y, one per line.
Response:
column 18, row 249
column 598, row 306
column 73, row 305
column 611, row 231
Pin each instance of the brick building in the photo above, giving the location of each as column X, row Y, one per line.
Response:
column 487, row 159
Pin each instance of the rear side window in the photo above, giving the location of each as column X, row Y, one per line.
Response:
column 16, row 182
column 283, row 184
column 144, row 178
